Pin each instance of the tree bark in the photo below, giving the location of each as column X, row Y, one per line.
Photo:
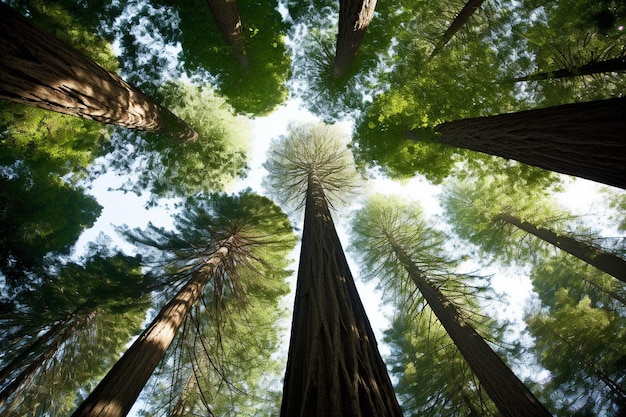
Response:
column 39, row 70
column 334, row 367
column 604, row 261
column 584, row 139
column 610, row 65
column 354, row 18
column 508, row 392
column 117, row 392
column 459, row 21
column 226, row 15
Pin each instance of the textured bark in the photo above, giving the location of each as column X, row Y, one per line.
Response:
column 354, row 18
column 506, row 390
column 334, row 367
column 117, row 392
column 604, row 261
column 38, row 70
column 584, row 139
column 226, row 15
column 610, row 65
column 459, row 21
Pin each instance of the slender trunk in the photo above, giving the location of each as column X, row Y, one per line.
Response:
column 604, row 261
column 354, row 18
column 39, row 70
column 17, row 361
column 26, row 376
column 334, row 367
column 117, row 392
column 459, row 21
column 610, row 65
column 226, row 15
column 583, row 139
column 508, row 392
column 610, row 293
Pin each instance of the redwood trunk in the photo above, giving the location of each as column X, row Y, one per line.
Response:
column 226, row 15
column 354, row 18
column 508, row 393
column 584, row 139
column 459, row 21
column 610, row 65
column 117, row 392
column 604, row 261
column 334, row 367
column 39, row 70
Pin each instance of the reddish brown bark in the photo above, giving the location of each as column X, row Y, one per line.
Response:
column 226, row 15
column 604, row 261
column 584, row 139
column 354, row 18
column 459, row 21
column 334, row 367
column 506, row 390
column 39, row 70
column 117, row 392
column 609, row 65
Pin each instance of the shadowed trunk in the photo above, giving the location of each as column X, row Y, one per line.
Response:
column 459, row 21
column 584, row 139
column 354, row 18
column 604, row 261
column 508, row 393
column 117, row 392
column 38, row 70
column 226, row 15
column 610, row 65
column 334, row 367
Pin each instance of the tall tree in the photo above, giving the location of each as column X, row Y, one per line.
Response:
column 459, row 21
column 39, row 70
column 396, row 227
column 226, row 15
column 216, row 237
column 596, row 67
column 354, row 18
column 333, row 365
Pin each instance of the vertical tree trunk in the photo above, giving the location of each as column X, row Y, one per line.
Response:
column 39, row 70
column 508, row 393
column 604, row 261
column 354, row 18
column 598, row 67
column 334, row 367
column 583, row 139
column 459, row 21
column 117, row 392
column 226, row 15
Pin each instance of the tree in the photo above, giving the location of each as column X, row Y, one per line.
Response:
column 398, row 229
column 488, row 215
column 354, row 18
column 226, row 15
column 596, row 67
column 459, row 21
column 39, row 70
column 237, row 232
column 333, row 364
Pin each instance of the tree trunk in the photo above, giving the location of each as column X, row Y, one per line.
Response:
column 508, row 393
column 584, row 139
column 226, row 15
column 38, row 70
column 459, row 21
column 354, row 18
column 604, row 261
column 334, row 367
column 117, row 392
column 610, row 65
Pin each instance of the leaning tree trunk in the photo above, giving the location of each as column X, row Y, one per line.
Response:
column 584, row 139
column 334, row 367
column 226, row 15
column 39, row 70
column 354, row 18
column 598, row 67
column 506, row 390
column 459, row 21
column 117, row 392
column 604, row 261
